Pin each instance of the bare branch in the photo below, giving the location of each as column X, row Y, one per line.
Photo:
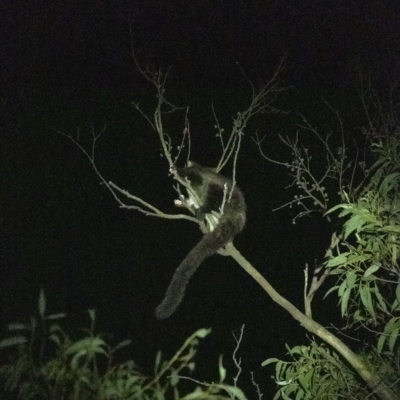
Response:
column 147, row 208
column 237, row 361
column 261, row 103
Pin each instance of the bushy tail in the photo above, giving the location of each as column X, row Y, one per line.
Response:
column 208, row 245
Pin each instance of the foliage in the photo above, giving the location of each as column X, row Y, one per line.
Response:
column 44, row 362
column 365, row 262
column 316, row 372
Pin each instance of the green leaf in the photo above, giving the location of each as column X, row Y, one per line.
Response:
column 366, row 299
column 55, row 339
column 353, row 224
column 344, row 206
column 398, row 292
column 13, row 341
column 269, row 361
column 393, row 338
column 380, row 299
column 391, row 327
column 174, row 378
column 338, row 260
column 92, row 345
column 42, row 303
column 92, row 314
column 77, row 356
column 391, row 229
column 332, row 289
column 235, row 392
column 17, row 327
column 56, row 316
column 356, row 258
column 202, row 333
column 351, row 280
column 222, row 370
column 342, row 288
column 344, row 301
column 372, row 269
column 158, row 360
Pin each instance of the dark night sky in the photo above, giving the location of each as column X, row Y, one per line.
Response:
column 68, row 64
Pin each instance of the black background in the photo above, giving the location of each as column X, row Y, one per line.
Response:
column 68, row 64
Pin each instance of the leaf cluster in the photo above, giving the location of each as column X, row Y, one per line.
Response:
column 42, row 361
column 315, row 372
column 366, row 261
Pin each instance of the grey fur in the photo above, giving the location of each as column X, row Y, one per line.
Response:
column 210, row 188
